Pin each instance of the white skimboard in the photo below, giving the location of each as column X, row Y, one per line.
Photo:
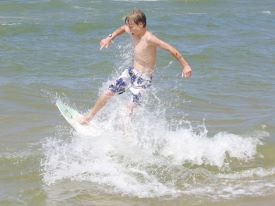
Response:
column 72, row 116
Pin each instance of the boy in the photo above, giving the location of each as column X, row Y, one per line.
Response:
column 138, row 77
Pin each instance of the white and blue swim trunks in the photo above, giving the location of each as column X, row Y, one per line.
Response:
column 136, row 81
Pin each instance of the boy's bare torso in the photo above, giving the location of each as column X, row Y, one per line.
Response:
column 144, row 53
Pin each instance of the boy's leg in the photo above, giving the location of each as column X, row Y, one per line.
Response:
column 131, row 107
column 135, row 101
column 101, row 101
column 118, row 87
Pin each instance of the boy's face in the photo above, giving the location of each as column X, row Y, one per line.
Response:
column 135, row 29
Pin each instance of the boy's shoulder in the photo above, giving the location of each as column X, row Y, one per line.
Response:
column 150, row 37
column 126, row 28
column 149, row 34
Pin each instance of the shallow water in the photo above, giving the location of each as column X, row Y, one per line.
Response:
column 208, row 140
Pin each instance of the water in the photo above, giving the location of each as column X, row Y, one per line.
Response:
column 204, row 141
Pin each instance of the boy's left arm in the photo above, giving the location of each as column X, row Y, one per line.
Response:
column 186, row 69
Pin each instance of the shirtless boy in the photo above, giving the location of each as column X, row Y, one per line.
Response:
column 138, row 77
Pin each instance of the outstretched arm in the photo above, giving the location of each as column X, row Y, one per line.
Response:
column 106, row 42
column 186, row 69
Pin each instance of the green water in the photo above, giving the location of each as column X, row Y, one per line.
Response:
column 204, row 141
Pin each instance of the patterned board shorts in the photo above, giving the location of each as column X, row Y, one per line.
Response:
column 136, row 81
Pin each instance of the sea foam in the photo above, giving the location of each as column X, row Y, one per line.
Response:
column 141, row 155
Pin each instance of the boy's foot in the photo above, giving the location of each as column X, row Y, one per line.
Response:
column 84, row 120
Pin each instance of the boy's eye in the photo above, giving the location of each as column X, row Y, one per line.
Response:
column 130, row 23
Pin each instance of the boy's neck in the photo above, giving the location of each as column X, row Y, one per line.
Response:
column 141, row 33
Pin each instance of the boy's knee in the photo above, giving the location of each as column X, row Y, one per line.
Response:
column 109, row 93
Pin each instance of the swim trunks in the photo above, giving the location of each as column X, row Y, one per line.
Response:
column 136, row 81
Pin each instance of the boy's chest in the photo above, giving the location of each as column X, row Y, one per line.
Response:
column 141, row 46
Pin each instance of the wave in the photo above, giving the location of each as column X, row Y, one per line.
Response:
column 145, row 157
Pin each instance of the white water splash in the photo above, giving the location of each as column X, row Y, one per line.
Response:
column 138, row 156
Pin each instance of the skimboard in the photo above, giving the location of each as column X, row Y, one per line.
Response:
column 72, row 116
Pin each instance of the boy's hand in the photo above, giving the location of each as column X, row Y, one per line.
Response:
column 186, row 72
column 104, row 43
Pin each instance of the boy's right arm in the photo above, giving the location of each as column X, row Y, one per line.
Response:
column 106, row 42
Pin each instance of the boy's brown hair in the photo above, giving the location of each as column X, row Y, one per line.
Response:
column 137, row 16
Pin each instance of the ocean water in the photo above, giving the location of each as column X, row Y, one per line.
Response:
column 209, row 140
